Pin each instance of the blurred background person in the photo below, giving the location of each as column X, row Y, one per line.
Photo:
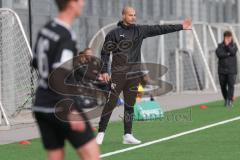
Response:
column 227, row 67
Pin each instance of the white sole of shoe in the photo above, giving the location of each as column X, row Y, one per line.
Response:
column 126, row 142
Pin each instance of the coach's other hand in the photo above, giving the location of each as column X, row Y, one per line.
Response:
column 105, row 77
column 187, row 24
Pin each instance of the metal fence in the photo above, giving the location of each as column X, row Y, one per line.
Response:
column 189, row 55
column 99, row 13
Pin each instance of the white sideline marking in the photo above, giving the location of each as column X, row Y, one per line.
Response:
column 168, row 138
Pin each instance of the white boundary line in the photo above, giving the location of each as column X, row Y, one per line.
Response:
column 170, row 137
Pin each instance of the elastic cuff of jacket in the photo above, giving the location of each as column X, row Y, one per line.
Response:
column 181, row 27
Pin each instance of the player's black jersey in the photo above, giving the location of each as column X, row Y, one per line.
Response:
column 55, row 45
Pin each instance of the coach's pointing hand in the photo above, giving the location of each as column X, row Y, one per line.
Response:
column 187, row 24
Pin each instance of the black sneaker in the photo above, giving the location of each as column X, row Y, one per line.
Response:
column 226, row 103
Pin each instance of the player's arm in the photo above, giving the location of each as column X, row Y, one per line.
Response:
column 34, row 63
column 62, row 67
column 155, row 30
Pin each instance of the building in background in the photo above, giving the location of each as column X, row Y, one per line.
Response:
column 99, row 13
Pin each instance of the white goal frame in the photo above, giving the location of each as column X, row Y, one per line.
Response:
column 3, row 114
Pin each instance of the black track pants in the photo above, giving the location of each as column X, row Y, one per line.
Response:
column 227, row 82
column 128, row 86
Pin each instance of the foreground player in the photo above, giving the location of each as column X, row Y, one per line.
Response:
column 55, row 45
column 129, row 34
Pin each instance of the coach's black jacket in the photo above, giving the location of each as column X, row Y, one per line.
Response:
column 227, row 63
column 125, row 43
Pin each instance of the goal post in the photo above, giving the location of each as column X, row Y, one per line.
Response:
column 204, row 59
column 17, row 78
column 3, row 118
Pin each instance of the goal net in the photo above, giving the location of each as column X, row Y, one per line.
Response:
column 17, row 78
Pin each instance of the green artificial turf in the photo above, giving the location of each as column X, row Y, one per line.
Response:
column 220, row 142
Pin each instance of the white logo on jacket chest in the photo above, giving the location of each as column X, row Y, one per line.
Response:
column 122, row 35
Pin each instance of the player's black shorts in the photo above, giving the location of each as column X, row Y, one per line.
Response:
column 54, row 132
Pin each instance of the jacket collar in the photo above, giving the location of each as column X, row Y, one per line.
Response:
column 61, row 23
column 121, row 24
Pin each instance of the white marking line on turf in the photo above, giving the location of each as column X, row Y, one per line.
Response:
column 168, row 138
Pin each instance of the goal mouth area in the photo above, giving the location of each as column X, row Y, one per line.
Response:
column 18, row 79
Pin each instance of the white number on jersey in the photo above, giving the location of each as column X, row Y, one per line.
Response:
column 42, row 48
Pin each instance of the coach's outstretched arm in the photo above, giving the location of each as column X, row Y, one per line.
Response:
column 155, row 30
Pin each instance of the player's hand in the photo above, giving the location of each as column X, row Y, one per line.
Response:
column 78, row 126
column 76, row 122
column 105, row 77
column 187, row 24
